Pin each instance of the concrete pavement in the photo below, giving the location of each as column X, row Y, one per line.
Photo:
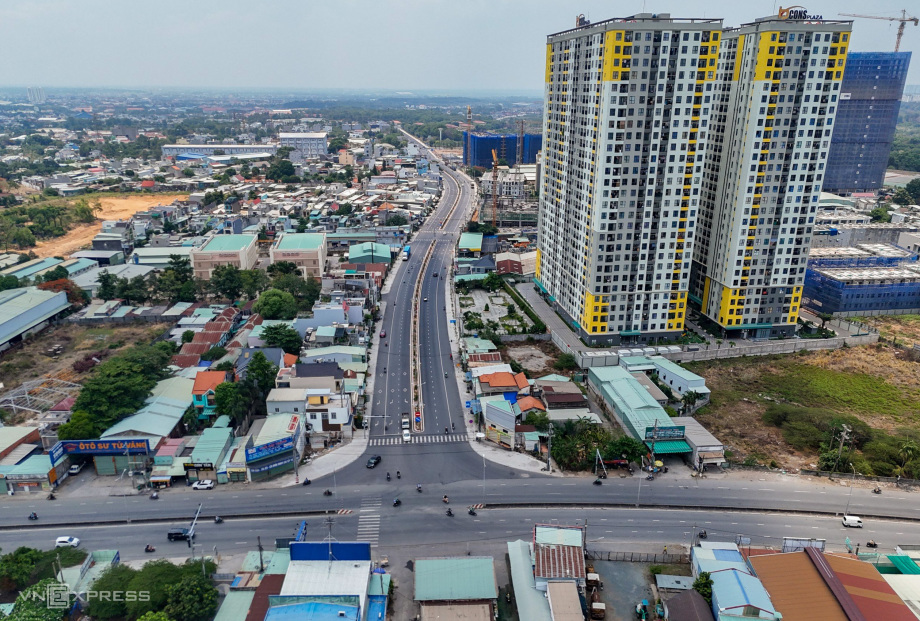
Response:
column 554, row 323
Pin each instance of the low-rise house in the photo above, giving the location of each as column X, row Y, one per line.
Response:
column 500, row 417
column 206, row 383
column 559, row 555
column 276, row 446
column 501, row 383
column 462, row 588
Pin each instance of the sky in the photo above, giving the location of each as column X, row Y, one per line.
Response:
column 461, row 46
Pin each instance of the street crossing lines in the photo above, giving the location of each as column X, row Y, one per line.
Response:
column 419, row 439
column 369, row 520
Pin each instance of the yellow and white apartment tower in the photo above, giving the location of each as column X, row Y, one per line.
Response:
column 670, row 144
column 625, row 132
column 777, row 92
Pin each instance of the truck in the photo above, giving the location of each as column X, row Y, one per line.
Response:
column 405, row 253
column 405, row 420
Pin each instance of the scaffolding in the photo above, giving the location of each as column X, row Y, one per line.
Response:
column 862, row 290
column 37, row 396
column 861, row 255
column 477, row 148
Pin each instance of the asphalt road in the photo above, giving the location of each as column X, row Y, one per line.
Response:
column 768, row 506
column 409, row 531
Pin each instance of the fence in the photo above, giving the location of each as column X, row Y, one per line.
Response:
column 637, row 557
column 788, row 346
column 842, row 476
column 517, row 338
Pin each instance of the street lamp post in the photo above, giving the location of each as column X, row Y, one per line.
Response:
column 850, row 495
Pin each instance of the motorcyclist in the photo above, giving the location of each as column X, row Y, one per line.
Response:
column 148, row 548
column 388, row 476
column 398, row 475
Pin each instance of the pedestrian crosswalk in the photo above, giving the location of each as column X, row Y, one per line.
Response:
column 419, row 439
column 369, row 520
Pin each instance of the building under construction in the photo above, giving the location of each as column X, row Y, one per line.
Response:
column 477, row 148
column 510, row 213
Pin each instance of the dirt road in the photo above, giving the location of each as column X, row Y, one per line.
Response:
column 113, row 208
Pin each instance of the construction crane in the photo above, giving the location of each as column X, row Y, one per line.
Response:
column 904, row 19
column 469, row 136
column 494, row 187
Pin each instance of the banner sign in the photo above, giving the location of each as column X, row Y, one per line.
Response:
column 264, row 450
column 664, row 433
column 97, row 447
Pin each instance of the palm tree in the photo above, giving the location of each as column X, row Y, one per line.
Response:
column 908, row 451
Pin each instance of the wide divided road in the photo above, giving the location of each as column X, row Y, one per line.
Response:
column 772, row 507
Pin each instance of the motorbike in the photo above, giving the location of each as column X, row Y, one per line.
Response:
column 397, row 502
column 871, row 544
column 388, row 476
column 445, row 431
column 51, row 496
column 471, row 511
column 327, row 492
column 452, row 427
column 877, row 490
column 449, row 513
column 306, row 482
column 218, row 519
column 703, row 534
column 398, row 476
column 154, row 496
column 149, row 549
column 598, row 482
column 445, row 500
column 418, row 488
column 33, row 516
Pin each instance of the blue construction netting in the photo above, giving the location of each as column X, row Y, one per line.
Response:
column 829, row 295
column 867, row 113
column 505, row 146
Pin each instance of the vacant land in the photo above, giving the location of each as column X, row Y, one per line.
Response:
column 536, row 358
column 33, row 360
column 114, row 207
column 903, row 328
column 875, row 384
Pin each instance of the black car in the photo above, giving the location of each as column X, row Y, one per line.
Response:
column 373, row 461
column 179, row 534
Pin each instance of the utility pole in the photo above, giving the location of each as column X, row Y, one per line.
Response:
column 261, row 564
column 845, row 431
column 549, row 449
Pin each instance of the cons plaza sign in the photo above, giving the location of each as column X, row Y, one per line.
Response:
column 797, row 13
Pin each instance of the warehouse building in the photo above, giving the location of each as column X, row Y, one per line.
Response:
column 27, row 310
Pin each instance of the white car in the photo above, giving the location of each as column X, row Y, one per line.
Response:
column 66, row 542
column 206, row 484
column 407, row 437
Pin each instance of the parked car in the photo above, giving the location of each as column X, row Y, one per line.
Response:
column 206, row 484
column 76, row 468
column 407, row 437
column 66, row 542
column 373, row 461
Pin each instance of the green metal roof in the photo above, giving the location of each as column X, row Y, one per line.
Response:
column 531, row 603
column 455, row 579
column 675, row 369
column 670, row 447
column 632, row 402
column 470, row 277
column 301, row 241
column 236, row 606
column 470, row 241
column 228, row 243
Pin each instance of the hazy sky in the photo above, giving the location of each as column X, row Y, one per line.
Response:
column 460, row 45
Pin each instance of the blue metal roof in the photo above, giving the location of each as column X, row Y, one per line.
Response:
column 733, row 589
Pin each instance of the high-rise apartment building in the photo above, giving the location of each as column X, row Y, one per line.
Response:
column 870, row 98
column 666, row 140
column 624, row 133
column 778, row 90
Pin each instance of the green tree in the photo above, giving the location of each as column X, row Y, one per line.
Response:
column 565, row 362
column 261, row 373
column 540, row 420
column 181, row 266
column 901, row 197
column 194, row 598
column 108, row 284
column 253, row 281
column 276, row 304
column 215, row 353
column 280, row 169
column 8, row 282
column 825, row 317
column 625, row 447
column 396, row 220
column 913, row 188
column 492, row 282
column 690, row 398
column 114, row 579
column 282, row 267
column 154, row 616
column 188, row 336
column 227, row 282
column 16, row 568
column 81, row 426
column 230, row 400
column 31, row 605
column 188, row 172
column 155, row 577
column 55, row 273
column 703, row 586
column 287, row 338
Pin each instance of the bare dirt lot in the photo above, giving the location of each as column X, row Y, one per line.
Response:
column 903, row 328
column 113, row 208
column 537, row 357
column 30, row 361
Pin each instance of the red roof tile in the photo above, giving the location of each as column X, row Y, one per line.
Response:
column 185, row 361
column 208, row 380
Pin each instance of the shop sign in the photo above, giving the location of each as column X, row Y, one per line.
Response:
column 798, row 12
column 264, row 450
column 97, row 447
column 198, row 465
column 274, row 465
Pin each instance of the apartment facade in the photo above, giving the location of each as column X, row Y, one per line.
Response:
column 239, row 250
column 306, row 145
column 624, row 134
column 305, row 250
column 776, row 96
column 870, row 99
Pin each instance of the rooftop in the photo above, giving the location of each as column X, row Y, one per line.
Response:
column 300, row 241
column 331, row 578
column 455, row 579
column 208, row 380
column 227, row 243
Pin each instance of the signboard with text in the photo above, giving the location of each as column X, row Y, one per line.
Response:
column 264, row 450
column 664, row 433
column 97, row 447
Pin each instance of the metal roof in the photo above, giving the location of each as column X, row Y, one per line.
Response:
column 470, row 241
column 453, row 579
column 734, row 590
column 235, row 606
column 227, row 243
column 531, row 603
column 300, row 241
column 340, row 578
column 26, row 307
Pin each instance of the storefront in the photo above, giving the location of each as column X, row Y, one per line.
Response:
column 277, row 448
column 35, row 474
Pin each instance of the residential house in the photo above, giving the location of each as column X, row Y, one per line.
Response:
column 456, row 588
column 501, row 383
column 559, row 555
column 500, row 417
column 206, row 383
